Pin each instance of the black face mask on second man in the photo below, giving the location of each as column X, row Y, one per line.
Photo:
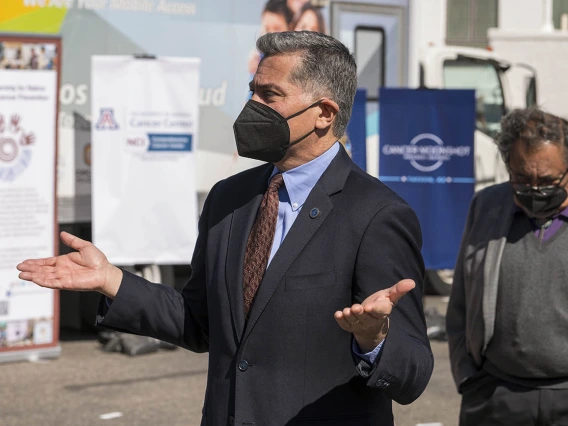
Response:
column 262, row 133
column 541, row 202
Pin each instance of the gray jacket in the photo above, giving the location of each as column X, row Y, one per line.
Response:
column 470, row 319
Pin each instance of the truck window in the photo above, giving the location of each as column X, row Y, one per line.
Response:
column 370, row 59
column 484, row 78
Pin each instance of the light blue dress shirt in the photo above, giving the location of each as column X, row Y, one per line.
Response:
column 298, row 183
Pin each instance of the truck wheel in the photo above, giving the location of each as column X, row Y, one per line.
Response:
column 439, row 281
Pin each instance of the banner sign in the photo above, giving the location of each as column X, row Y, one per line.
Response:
column 29, row 314
column 426, row 156
column 144, row 137
column 357, row 129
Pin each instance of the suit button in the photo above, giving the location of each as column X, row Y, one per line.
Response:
column 231, row 421
column 243, row 365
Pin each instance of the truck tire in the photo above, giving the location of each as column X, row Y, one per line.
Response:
column 439, row 282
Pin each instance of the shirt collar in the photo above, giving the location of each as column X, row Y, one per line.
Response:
column 301, row 180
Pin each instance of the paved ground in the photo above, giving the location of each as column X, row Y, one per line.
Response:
column 164, row 388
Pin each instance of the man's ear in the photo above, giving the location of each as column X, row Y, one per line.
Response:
column 329, row 110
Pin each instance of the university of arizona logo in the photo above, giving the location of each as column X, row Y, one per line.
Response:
column 106, row 120
column 15, row 147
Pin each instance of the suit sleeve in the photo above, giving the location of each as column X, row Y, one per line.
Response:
column 141, row 307
column 390, row 252
column 463, row 365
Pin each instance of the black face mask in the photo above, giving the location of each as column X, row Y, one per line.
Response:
column 263, row 134
column 542, row 202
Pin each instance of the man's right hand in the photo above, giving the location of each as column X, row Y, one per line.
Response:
column 87, row 269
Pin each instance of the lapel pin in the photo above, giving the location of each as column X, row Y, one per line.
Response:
column 314, row 212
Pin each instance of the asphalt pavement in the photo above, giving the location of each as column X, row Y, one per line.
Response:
column 86, row 386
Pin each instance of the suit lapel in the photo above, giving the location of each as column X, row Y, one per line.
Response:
column 502, row 218
column 301, row 232
column 241, row 225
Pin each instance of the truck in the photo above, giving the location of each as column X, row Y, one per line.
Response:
column 396, row 43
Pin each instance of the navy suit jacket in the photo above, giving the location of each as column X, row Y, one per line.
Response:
column 290, row 363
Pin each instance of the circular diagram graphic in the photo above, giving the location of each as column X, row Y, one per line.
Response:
column 8, row 150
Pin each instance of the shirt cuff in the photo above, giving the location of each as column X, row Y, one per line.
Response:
column 368, row 357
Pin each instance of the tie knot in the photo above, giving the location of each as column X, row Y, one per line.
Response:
column 276, row 182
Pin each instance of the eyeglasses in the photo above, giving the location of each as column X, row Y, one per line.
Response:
column 525, row 188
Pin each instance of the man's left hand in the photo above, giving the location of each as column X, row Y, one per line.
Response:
column 369, row 321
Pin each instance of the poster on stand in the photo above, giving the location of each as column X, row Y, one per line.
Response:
column 144, row 137
column 29, row 314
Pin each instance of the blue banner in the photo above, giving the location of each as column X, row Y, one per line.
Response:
column 357, row 129
column 426, row 156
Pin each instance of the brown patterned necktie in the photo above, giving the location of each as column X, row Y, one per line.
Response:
column 260, row 240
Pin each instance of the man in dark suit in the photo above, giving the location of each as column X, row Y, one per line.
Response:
column 297, row 269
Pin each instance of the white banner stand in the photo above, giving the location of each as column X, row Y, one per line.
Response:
column 144, row 137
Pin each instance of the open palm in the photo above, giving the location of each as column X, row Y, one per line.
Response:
column 369, row 321
column 87, row 269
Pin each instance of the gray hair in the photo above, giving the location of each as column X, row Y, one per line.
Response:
column 327, row 68
column 532, row 127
